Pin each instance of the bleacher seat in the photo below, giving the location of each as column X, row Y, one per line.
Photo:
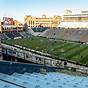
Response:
column 67, row 34
column 39, row 29
column 10, row 35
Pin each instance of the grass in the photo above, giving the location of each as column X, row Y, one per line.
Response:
column 68, row 50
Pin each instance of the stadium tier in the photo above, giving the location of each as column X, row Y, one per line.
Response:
column 15, row 35
column 19, row 75
column 67, row 34
column 12, row 78
column 39, row 29
column 23, row 34
column 74, row 24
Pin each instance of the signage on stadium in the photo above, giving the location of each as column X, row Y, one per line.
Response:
column 7, row 21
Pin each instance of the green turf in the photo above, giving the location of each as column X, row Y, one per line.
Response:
column 66, row 50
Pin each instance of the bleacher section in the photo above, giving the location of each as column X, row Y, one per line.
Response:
column 73, row 24
column 14, row 35
column 24, row 34
column 10, row 35
column 79, row 35
column 3, row 36
column 19, row 75
column 67, row 34
column 39, row 29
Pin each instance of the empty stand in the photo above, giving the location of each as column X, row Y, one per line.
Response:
column 38, row 80
column 67, row 34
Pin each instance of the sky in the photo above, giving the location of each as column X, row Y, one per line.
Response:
column 19, row 8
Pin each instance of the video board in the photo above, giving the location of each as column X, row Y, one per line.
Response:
column 7, row 21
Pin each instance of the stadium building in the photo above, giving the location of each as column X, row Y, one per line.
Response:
column 9, row 24
column 42, row 21
column 73, row 19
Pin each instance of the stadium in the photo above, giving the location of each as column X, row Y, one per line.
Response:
column 53, row 59
column 56, row 57
column 62, row 44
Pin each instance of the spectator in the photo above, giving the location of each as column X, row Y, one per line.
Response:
column 65, row 63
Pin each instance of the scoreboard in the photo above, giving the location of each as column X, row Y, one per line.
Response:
column 7, row 21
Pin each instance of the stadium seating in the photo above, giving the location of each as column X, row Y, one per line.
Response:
column 41, row 80
column 20, row 75
column 3, row 36
column 39, row 29
column 59, row 33
column 24, row 34
column 67, row 34
column 14, row 35
column 10, row 35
